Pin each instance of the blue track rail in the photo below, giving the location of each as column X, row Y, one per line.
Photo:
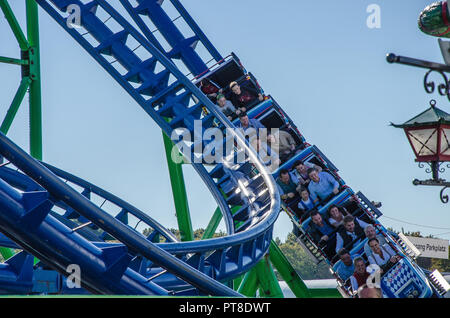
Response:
column 136, row 265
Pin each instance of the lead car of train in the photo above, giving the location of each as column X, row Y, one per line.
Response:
column 405, row 279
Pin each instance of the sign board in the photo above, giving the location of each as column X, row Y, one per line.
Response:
column 445, row 50
column 431, row 248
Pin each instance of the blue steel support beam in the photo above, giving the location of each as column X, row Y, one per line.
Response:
column 56, row 244
column 182, row 48
column 194, row 26
column 102, row 31
column 251, row 242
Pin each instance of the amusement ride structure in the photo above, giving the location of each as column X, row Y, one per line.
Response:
column 51, row 220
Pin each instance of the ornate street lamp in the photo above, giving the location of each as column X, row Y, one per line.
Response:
column 429, row 136
column 429, row 132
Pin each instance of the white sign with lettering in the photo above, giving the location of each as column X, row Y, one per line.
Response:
column 431, row 248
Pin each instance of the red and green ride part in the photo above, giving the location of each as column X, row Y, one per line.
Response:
column 435, row 20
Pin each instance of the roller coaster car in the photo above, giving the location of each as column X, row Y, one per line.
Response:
column 270, row 114
column 312, row 155
column 352, row 204
column 268, row 111
column 222, row 74
column 405, row 278
column 231, row 70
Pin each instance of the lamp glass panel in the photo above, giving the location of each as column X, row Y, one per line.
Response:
column 424, row 141
column 445, row 141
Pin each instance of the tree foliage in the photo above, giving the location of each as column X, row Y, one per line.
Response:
column 302, row 262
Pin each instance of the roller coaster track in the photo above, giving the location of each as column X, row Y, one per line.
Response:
column 134, row 263
column 65, row 221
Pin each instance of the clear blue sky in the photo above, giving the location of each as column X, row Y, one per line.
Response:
column 318, row 59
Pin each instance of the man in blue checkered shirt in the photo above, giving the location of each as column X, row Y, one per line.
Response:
column 322, row 185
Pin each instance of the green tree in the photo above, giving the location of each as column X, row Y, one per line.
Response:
column 442, row 265
column 302, row 262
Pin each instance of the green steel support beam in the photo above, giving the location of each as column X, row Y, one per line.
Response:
column 35, row 75
column 249, row 284
column 179, row 193
column 6, row 252
column 35, row 94
column 15, row 27
column 213, row 224
column 10, row 60
column 287, row 272
column 215, row 221
column 31, row 78
column 237, row 282
column 12, row 111
column 24, row 84
column 268, row 282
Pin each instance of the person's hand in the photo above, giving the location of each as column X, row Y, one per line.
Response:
column 394, row 259
column 335, row 190
column 292, row 147
column 260, row 97
column 212, row 95
column 291, row 195
column 238, row 111
column 324, row 238
column 243, row 109
column 230, row 118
